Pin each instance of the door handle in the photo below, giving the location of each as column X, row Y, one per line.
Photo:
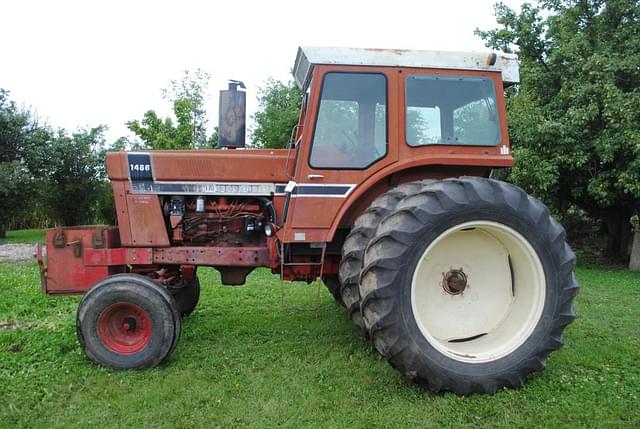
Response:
column 315, row 176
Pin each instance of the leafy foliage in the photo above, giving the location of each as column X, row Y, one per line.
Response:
column 19, row 134
column 13, row 180
column 45, row 176
column 73, row 175
column 14, row 125
column 574, row 118
column 279, row 105
column 187, row 97
column 158, row 133
column 49, row 176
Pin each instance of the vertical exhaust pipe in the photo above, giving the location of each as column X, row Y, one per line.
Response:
column 232, row 121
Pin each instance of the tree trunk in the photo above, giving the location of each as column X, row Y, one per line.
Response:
column 634, row 261
column 3, row 231
column 618, row 231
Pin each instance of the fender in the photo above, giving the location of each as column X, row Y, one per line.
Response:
column 424, row 167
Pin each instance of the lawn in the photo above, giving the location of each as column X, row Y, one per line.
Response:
column 23, row 236
column 246, row 361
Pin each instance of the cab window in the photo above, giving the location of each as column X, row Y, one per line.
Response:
column 351, row 125
column 451, row 110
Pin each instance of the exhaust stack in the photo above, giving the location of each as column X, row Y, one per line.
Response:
column 232, row 116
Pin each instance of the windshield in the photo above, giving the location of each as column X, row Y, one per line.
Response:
column 351, row 127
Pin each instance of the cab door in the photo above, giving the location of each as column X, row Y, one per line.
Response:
column 350, row 133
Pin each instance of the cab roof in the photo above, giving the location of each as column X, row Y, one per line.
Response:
column 308, row 57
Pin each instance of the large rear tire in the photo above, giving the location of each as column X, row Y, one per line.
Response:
column 127, row 321
column 468, row 286
column 356, row 242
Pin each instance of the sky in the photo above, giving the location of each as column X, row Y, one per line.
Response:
column 85, row 63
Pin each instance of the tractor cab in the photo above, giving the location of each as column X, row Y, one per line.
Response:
column 451, row 99
column 373, row 119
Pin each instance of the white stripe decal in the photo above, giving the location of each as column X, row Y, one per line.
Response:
column 300, row 190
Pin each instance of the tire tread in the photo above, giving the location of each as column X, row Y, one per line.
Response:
column 383, row 268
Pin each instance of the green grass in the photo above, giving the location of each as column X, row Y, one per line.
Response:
column 24, row 236
column 245, row 361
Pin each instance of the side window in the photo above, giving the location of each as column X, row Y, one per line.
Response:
column 451, row 110
column 351, row 127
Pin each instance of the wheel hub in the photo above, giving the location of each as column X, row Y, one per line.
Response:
column 129, row 324
column 454, row 282
column 494, row 317
column 124, row 328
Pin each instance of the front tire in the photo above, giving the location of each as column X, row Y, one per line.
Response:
column 187, row 297
column 127, row 321
column 468, row 285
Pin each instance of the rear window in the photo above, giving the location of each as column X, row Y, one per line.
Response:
column 451, row 110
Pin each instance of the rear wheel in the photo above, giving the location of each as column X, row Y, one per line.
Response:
column 468, row 286
column 127, row 321
column 356, row 242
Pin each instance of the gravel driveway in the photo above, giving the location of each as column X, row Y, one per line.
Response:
column 17, row 252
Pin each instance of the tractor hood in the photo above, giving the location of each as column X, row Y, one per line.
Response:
column 255, row 165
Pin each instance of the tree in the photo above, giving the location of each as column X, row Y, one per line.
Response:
column 73, row 175
column 187, row 97
column 50, row 177
column 157, row 133
column 279, row 105
column 12, row 124
column 122, row 144
column 212, row 143
column 19, row 135
column 14, row 179
column 574, row 117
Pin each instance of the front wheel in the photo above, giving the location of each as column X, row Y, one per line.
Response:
column 187, row 297
column 468, row 285
column 127, row 321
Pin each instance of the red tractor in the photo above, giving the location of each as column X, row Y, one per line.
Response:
column 462, row 282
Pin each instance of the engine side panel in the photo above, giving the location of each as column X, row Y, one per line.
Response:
column 146, row 222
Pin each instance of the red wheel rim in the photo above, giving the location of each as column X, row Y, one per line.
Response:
column 124, row 328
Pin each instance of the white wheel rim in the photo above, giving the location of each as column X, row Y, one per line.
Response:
column 503, row 299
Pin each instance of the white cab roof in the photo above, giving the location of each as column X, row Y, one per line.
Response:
column 307, row 57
